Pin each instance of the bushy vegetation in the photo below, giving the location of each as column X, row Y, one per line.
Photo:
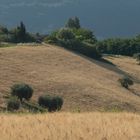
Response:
column 85, row 35
column 126, row 82
column 19, row 35
column 75, row 38
column 118, row 46
column 22, row 91
column 71, row 36
column 65, row 34
column 13, row 103
column 51, row 103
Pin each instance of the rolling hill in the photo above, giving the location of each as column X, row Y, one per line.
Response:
column 85, row 84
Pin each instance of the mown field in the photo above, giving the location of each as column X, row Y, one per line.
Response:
column 70, row 126
column 85, row 84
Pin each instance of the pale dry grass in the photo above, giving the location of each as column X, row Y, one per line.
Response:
column 68, row 126
column 84, row 84
column 128, row 64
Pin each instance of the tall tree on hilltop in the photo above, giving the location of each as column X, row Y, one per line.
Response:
column 21, row 32
column 73, row 23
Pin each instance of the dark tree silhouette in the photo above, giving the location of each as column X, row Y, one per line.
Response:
column 73, row 23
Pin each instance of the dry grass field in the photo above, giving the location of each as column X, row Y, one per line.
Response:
column 70, row 126
column 85, row 85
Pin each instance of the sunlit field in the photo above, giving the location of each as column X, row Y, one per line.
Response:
column 70, row 126
column 86, row 85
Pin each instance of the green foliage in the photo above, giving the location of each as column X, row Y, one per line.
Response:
column 65, row 34
column 3, row 34
column 22, row 91
column 82, row 48
column 119, row 46
column 3, row 30
column 126, row 82
column 51, row 103
column 13, row 103
column 51, row 39
column 85, row 35
column 73, row 23
column 79, row 40
column 3, row 38
column 17, row 35
column 21, row 33
column 75, row 38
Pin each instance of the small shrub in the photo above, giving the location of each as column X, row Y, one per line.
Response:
column 22, row 91
column 13, row 104
column 126, row 82
column 51, row 103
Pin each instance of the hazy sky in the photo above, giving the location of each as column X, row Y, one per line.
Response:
column 107, row 18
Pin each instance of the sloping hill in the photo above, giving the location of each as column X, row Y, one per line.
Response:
column 85, row 84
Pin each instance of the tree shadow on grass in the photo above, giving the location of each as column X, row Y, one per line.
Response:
column 106, row 64
column 134, row 92
column 112, row 67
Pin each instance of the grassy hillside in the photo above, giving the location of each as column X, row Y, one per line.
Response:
column 85, row 84
column 67, row 126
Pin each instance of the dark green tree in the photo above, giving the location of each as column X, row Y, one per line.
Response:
column 73, row 23
column 119, row 46
column 51, row 103
column 22, row 91
column 21, row 33
column 4, row 30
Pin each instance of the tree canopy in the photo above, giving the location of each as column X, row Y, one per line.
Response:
column 73, row 23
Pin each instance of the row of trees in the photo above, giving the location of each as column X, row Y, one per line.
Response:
column 19, row 35
column 119, row 46
column 72, row 30
column 72, row 36
column 22, row 93
column 75, row 37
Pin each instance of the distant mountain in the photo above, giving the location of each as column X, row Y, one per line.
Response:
column 108, row 18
